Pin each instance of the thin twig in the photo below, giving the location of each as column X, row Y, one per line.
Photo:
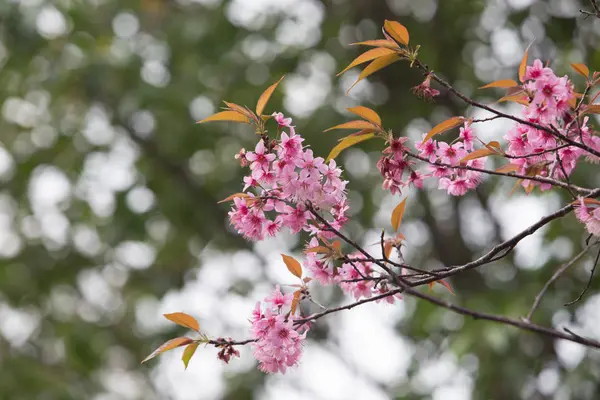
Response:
column 588, row 283
column 554, row 277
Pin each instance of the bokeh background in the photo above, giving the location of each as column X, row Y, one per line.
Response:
column 109, row 190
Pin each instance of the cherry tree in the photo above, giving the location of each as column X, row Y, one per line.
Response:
column 288, row 187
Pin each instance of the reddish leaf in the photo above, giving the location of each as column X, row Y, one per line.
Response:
column 264, row 98
column 443, row 283
column 508, row 168
column 375, row 66
column 188, row 353
column 484, row 152
column 292, row 265
column 587, row 200
column 503, row 83
column 592, row 109
column 379, row 43
column 183, row 319
column 232, row 116
column 366, row 113
column 169, row 345
column 581, row 69
column 358, row 124
column 444, row 126
column 233, row 196
column 523, row 64
column 295, row 301
column 368, row 56
column 397, row 214
column 397, row 31
column 348, row 142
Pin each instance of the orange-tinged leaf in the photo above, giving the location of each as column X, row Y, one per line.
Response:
column 359, row 133
column 232, row 116
column 483, row 152
column 233, row 196
column 238, row 108
column 587, row 200
column 397, row 214
column 168, row 345
column 581, row 69
column 387, row 248
column 397, row 31
column 523, row 64
column 295, row 301
column 368, row 56
column 183, row 319
column 390, row 44
column 358, row 124
column 443, row 127
column 503, row 83
column 517, row 98
column 443, row 283
column 264, row 98
column 592, row 109
column 318, row 250
column 188, row 352
column 375, row 66
column 366, row 113
column 508, row 168
column 292, row 265
column 348, row 142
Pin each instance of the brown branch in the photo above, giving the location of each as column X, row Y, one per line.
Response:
column 554, row 277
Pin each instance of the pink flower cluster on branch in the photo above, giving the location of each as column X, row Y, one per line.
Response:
column 278, row 342
column 287, row 176
column 539, row 151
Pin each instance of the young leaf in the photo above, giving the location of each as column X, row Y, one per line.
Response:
column 233, row 196
column 292, row 265
column 358, row 124
column 264, row 98
column 183, row 319
column 523, row 64
column 379, row 43
column 366, row 113
column 581, row 69
column 368, row 56
column 503, row 83
column 318, row 250
column 168, row 345
column 375, row 66
column 295, row 301
column 484, row 152
column 592, row 109
column 232, row 116
column 239, row 109
column 397, row 214
column 508, row 168
column 387, row 248
column 444, row 126
column 188, row 353
column 348, row 142
column 397, row 31
column 443, row 283
column 587, row 200
column 517, row 98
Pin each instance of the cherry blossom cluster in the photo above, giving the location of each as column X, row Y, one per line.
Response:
column 278, row 342
column 354, row 278
column 441, row 156
column 539, row 151
column 287, row 176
